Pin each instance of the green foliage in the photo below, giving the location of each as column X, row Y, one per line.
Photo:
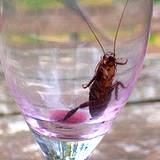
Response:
column 157, row 1
column 155, row 39
column 37, row 4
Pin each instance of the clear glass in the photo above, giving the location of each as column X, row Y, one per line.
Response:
column 48, row 52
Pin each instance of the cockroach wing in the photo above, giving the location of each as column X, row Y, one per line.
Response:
column 98, row 110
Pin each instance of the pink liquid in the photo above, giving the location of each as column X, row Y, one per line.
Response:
column 78, row 117
column 77, row 127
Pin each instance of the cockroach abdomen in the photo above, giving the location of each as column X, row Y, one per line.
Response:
column 98, row 110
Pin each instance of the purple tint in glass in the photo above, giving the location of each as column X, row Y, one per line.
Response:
column 48, row 52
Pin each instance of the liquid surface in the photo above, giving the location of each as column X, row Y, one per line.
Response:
column 77, row 127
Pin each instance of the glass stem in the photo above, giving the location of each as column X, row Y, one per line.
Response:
column 51, row 158
column 60, row 149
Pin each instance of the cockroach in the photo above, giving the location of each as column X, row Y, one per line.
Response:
column 102, row 84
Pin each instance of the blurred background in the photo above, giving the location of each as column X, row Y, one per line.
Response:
column 135, row 134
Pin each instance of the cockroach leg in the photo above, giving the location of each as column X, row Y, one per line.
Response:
column 70, row 113
column 83, row 105
column 90, row 82
column 116, row 86
column 73, row 111
column 122, row 63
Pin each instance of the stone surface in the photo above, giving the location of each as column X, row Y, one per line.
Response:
column 147, row 88
column 134, row 136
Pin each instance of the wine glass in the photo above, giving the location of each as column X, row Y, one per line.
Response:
column 71, row 66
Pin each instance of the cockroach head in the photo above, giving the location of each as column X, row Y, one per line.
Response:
column 109, row 59
column 109, row 54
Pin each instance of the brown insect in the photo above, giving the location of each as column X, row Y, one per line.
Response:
column 102, row 85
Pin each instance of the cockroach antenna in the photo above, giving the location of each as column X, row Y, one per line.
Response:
column 95, row 35
column 116, row 35
column 119, row 24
